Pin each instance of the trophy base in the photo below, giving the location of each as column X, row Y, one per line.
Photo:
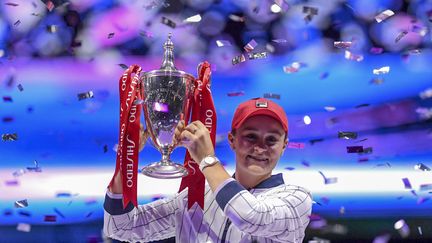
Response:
column 164, row 171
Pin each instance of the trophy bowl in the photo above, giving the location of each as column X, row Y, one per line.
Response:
column 167, row 95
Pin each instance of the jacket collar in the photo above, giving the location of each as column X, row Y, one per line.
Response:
column 272, row 181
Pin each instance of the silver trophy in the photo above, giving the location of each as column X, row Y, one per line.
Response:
column 167, row 94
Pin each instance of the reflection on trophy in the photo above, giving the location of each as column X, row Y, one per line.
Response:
column 167, row 94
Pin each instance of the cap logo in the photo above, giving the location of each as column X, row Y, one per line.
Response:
column 261, row 104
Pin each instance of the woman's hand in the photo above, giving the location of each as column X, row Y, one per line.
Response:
column 196, row 138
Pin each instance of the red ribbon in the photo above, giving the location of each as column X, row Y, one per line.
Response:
column 129, row 134
column 128, row 146
column 202, row 109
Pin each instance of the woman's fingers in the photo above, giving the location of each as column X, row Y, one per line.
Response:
column 178, row 131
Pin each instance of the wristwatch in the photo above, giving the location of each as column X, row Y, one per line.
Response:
column 208, row 161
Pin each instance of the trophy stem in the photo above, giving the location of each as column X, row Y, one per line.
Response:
column 166, row 160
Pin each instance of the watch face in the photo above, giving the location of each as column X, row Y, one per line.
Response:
column 209, row 160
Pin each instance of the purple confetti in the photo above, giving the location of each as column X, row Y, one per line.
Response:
column 354, row 149
column 406, row 183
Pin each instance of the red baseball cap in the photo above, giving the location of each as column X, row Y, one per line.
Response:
column 259, row 106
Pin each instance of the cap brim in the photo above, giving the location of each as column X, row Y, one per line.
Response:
column 263, row 112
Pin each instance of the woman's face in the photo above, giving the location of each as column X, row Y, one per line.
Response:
column 258, row 144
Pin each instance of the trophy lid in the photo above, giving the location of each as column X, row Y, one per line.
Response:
column 168, row 59
column 168, row 67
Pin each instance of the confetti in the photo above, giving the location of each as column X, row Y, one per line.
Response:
column 354, row 57
column 221, row 43
column 313, row 141
column 384, row 15
column 402, row 227
column 376, row 50
column 329, row 108
column 382, row 70
column 406, row 183
column 115, row 147
column 257, row 55
column 63, row 194
column 86, row 95
column 239, row 93
column 422, row 167
column 9, row 137
column 168, row 22
column 324, row 75
column 421, row 200
column 161, row 107
column 421, row 30
column 354, row 149
column 49, row 5
column 294, row 145
column 270, row 48
column 342, row 44
column 426, row 94
column 305, row 163
column 21, row 203
column 347, row 135
column 236, row 18
column 59, row 213
column 424, row 113
column 8, row 119
column 20, row 87
column 420, row 230
column 425, row 187
column 52, row 28
column 272, row 96
column 400, row 36
column 147, row 34
column 382, row 238
column 331, row 180
column 7, row 99
column 111, row 35
column 367, row 150
column 384, row 164
column 138, row 102
column 342, row 210
column 105, row 148
column 310, row 13
column 193, row 19
column 19, row 173
column 50, row 218
column 36, row 168
column 376, row 81
column 289, row 168
column 124, row 66
column 250, row 46
column 155, row 4
column 18, row 22
column 361, row 105
column 89, row 214
column 23, row 227
column 24, row 213
column 12, row 4
column 238, row 59
column 294, row 67
column 280, row 41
